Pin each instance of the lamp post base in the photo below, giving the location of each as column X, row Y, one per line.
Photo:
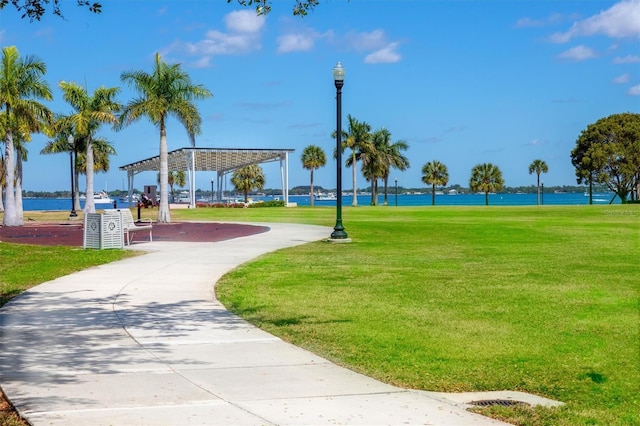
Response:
column 338, row 240
column 339, row 235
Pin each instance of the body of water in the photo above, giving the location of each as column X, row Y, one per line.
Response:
column 41, row 204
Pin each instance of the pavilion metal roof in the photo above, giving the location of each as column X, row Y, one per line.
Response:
column 209, row 159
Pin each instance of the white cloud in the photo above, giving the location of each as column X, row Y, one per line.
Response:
column 634, row 90
column 297, row 42
column 536, row 142
column 619, row 21
column 621, row 79
column 242, row 35
column 629, row 59
column 380, row 49
column 578, row 53
column 385, row 55
column 244, row 21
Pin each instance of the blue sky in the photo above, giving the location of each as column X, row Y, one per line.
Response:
column 463, row 82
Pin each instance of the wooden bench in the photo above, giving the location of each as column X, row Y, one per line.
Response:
column 130, row 227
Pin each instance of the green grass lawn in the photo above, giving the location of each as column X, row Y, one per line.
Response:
column 541, row 300
column 538, row 299
column 23, row 266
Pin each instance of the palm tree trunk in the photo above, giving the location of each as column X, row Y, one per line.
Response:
column 89, row 202
column 538, row 188
column 163, row 210
column 312, row 195
column 354, row 202
column 486, row 198
column 386, row 184
column 433, row 194
column 10, row 215
column 18, row 194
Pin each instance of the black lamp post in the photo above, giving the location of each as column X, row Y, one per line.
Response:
column 541, row 192
column 73, row 192
column 338, row 78
column 211, row 190
column 396, row 179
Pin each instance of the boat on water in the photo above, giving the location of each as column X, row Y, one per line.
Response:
column 326, row 197
column 99, row 198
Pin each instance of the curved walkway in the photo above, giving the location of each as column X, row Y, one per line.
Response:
column 143, row 341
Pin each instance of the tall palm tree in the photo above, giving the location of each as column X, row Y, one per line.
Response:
column 313, row 157
column 2, row 181
column 91, row 111
column 21, row 136
column 487, row 178
column 538, row 166
column 391, row 157
column 21, row 86
column 167, row 91
column 357, row 137
column 248, row 178
column 435, row 173
column 59, row 143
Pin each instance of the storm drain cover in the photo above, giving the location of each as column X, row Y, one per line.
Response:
column 501, row 402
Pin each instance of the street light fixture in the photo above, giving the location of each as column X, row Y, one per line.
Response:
column 73, row 192
column 339, row 234
column 211, row 190
column 541, row 193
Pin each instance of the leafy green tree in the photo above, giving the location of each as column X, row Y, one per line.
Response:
column 608, row 152
column 538, row 166
column 357, row 137
column 247, row 179
column 435, row 173
column 90, row 112
column 21, row 86
column 313, row 157
column 35, row 9
column 263, row 7
column 486, row 178
column 391, row 157
column 167, row 91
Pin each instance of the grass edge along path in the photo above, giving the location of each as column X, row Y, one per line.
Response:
column 24, row 266
column 541, row 300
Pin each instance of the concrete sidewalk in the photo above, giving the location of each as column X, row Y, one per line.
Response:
column 144, row 342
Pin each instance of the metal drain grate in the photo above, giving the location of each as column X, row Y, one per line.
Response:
column 500, row 402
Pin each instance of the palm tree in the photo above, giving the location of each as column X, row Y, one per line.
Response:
column 91, row 111
column 2, row 178
column 313, row 157
column 21, row 85
column 167, row 91
column 486, row 178
column 391, row 157
column 435, row 173
column 21, row 136
column 248, row 178
column 357, row 137
column 538, row 166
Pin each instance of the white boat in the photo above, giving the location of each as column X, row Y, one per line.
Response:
column 326, row 197
column 99, row 198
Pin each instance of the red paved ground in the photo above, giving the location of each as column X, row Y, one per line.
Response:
column 51, row 234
